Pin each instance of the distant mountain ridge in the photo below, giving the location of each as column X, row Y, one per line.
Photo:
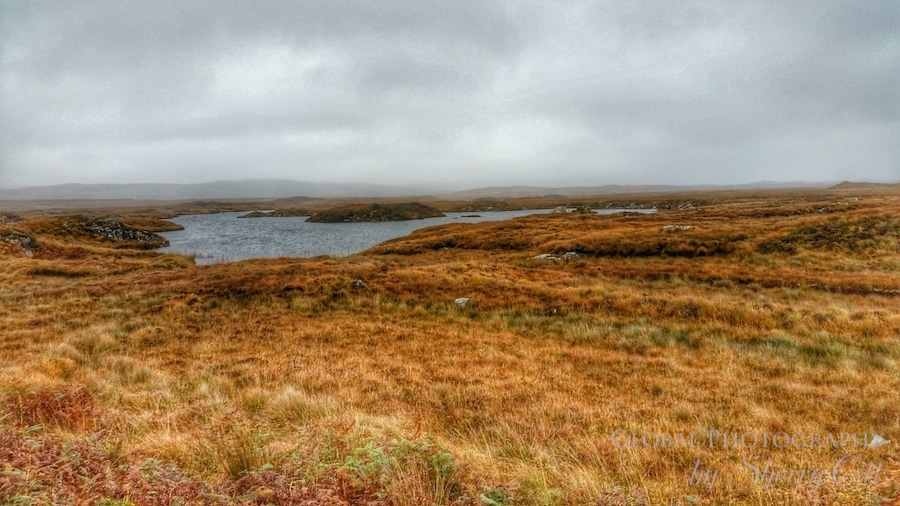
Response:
column 283, row 188
column 250, row 188
column 613, row 189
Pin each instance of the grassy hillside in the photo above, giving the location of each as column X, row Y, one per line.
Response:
column 138, row 377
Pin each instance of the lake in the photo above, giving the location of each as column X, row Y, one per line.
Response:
column 223, row 237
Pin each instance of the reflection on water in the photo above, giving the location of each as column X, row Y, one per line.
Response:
column 224, row 237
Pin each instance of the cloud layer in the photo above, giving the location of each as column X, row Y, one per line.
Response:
column 462, row 93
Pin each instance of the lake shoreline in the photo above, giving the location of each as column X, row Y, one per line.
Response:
column 223, row 237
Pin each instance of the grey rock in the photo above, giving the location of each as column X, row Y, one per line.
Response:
column 26, row 243
column 116, row 231
column 568, row 255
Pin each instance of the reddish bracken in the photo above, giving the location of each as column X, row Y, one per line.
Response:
column 69, row 406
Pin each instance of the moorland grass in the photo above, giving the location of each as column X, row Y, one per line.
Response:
column 131, row 377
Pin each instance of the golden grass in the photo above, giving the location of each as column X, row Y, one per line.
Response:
column 276, row 381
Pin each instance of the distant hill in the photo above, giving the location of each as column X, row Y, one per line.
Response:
column 583, row 191
column 297, row 192
column 251, row 188
column 851, row 185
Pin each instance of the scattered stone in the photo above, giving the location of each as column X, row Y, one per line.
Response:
column 560, row 210
column 687, row 206
column 9, row 218
column 462, row 301
column 26, row 243
column 676, row 228
column 359, row 284
column 569, row 255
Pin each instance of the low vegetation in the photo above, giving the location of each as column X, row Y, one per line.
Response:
column 133, row 377
column 376, row 212
column 864, row 234
column 277, row 213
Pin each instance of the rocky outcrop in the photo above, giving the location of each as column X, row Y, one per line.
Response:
column 9, row 218
column 25, row 242
column 114, row 230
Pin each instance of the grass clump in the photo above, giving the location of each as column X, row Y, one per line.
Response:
column 403, row 471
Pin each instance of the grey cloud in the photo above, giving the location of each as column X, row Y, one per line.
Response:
column 467, row 92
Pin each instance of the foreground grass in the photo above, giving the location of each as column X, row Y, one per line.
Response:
column 139, row 378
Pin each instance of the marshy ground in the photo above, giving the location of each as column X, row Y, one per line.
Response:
column 133, row 377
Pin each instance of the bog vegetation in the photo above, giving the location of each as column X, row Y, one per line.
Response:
column 375, row 212
column 133, row 377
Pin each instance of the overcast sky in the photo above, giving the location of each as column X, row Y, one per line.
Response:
column 462, row 93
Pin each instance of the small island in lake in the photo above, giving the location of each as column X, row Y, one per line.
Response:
column 278, row 213
column 376, row 212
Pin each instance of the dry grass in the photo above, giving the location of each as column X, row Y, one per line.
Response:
column 140, row 378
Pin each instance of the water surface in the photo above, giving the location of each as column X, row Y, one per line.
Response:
column 224, row 237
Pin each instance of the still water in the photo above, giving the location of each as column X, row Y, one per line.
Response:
column 224, row 237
